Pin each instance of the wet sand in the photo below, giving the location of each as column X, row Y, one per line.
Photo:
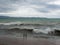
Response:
column 5, row 40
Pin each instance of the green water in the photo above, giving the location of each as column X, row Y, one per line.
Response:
column 32, row 20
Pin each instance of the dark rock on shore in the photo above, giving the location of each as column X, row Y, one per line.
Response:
column 56, row 32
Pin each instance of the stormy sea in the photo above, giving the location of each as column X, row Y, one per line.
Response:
column 30, row 28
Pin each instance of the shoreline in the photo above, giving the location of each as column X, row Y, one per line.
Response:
column 20, row 41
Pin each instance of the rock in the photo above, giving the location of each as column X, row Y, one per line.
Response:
column 55, row 32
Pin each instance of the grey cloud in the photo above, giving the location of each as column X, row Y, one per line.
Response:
column 43, row 10
column 8, row 5
column 49, row 7
column 53, row 6
column 6, row 9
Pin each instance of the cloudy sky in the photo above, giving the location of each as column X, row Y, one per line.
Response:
column 30, row 8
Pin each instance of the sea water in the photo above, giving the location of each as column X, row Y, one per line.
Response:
column 44, row 25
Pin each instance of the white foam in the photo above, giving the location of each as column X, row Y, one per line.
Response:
column 43, row 31
column 10, row 23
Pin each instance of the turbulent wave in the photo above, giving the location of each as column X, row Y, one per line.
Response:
column 37, row 28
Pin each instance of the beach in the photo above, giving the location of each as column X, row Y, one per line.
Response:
column 6, row 40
